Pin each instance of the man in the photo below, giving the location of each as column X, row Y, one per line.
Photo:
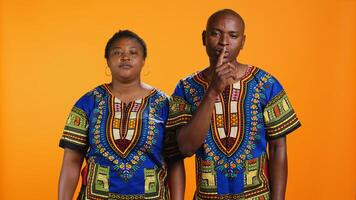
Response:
column 226, row 115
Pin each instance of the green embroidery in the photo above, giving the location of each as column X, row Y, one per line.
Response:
column 151, row 183
column 101, row 178
column 178, row 106
column 208, row 177
column 77, row 120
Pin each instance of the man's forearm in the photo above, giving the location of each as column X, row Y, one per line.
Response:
column 196, row 130
column 278, row 168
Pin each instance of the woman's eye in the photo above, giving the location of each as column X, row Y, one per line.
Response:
column 115, row 52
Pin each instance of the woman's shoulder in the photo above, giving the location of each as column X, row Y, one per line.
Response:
column 90, row 96
column 156, row 93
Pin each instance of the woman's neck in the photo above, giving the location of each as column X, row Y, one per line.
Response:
column 123, row 88
column 129, row 91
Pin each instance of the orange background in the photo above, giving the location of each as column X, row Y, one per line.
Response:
column 52, row 53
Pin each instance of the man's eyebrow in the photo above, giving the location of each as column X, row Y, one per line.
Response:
column 217, row 29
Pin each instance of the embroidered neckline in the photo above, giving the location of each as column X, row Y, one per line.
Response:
column 111, row 94
column 125, row 122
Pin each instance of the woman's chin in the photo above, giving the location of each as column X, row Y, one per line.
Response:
column 127, row 77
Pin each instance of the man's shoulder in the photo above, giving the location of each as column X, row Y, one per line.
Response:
column 260, row 74
column 190, row 77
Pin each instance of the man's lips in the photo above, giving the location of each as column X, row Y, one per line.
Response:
column 225, row 55
column 219, row 51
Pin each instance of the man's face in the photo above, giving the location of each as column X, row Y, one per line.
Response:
column 224, row 31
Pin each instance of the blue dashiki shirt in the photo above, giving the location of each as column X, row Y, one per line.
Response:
column 232, row 162
column 123, row 145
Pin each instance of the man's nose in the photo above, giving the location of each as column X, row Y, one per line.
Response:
column 223, row 40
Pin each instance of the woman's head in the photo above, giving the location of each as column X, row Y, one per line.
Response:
column 125, row 34
column 125, row 55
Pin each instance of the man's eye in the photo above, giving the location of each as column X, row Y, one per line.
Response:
column 214, row 33
column 234, row 36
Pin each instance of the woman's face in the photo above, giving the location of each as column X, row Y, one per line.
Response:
column 126, row 60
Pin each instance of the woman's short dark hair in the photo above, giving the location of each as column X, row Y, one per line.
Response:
column 125, row 34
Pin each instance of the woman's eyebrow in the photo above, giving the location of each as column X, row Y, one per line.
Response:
column 115, row 48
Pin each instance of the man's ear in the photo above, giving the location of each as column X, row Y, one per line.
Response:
column 203, row 37
column 243, row 41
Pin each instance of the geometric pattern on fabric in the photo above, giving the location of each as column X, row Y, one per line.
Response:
column 151, row 183
column 207, row 177
column 126, row 121
column 153, row 180
column 179, row 113
column 245, row 117
column 256, row 179
column 243, row 145
column 279, row 116
column 98, row 182
column 225, row 124
column 76, row 130
column 126, row 168
column 120, row 141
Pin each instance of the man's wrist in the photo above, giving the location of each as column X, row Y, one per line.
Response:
column 211, row 94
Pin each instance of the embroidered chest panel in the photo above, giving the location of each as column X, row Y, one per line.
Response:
column 227, row 121
column 125, row 125
column 236, row 121
column 125, row 134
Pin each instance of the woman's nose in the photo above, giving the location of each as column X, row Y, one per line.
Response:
column 125, row 57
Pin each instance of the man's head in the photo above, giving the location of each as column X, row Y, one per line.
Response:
column 225, row 28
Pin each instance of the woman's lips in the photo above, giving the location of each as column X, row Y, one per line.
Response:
column 125, row 66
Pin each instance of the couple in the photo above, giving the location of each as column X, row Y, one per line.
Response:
column 134, row 138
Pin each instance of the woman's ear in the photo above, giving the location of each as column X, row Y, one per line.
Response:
column 107, row 63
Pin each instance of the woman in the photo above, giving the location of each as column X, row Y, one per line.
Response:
column 119, row 129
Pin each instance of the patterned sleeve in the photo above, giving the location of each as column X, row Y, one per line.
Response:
column 75, row 134
column 279, row 116
column 179, row 115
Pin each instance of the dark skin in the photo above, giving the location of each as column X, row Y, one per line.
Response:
column 70, row 172
column 125, row 62
column 224, row 38
column 278, row 167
